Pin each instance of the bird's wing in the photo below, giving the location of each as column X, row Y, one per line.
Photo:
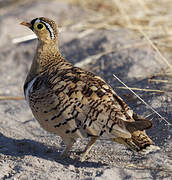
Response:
column 96, row 108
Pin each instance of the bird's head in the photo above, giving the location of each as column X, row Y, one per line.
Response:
column 44, row 28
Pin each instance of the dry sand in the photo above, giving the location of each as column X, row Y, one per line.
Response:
column 27, row 151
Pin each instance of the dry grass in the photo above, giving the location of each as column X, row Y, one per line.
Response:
column 150, row 18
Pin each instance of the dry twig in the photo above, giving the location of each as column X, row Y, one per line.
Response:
column 147, row 90
column 18, row 98
column 142, row 100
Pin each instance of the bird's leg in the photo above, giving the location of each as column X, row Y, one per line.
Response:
column 88, row 148
column 69, row 145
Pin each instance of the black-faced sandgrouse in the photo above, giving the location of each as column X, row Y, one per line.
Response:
column 74, row 103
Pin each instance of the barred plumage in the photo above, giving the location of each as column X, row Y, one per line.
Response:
column 74, row 103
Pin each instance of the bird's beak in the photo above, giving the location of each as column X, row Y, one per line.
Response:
column 24, row 23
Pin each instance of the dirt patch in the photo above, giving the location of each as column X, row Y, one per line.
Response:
column 28, row 152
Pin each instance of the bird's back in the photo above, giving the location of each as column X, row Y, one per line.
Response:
column 80, row 104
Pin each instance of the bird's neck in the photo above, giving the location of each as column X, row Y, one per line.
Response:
column 47, row 56
column 47, row 53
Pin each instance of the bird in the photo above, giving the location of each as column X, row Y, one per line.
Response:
column 74, row 103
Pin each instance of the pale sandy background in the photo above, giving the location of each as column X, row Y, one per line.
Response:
column 26, row 150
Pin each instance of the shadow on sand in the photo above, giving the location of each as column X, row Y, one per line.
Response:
column 18, row 148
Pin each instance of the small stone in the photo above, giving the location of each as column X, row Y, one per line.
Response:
column 72, row 167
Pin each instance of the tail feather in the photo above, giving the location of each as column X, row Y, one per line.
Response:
column 139, row 142
column 138, row 125
column 141, row 139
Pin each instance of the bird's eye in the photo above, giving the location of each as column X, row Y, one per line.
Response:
column 40, row 26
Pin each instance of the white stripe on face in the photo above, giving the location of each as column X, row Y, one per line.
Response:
column 49, row 28
column 37, row 21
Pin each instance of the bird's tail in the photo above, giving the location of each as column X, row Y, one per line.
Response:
column 139, row 142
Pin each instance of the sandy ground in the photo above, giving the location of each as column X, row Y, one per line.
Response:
column 27, row 151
